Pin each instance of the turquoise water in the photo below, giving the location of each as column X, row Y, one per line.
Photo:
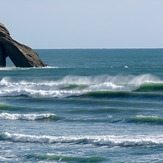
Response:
column 86, row 106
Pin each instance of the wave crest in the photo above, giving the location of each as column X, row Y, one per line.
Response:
column 109, row 140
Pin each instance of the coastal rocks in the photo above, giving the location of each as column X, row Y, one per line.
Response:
column 21, row 55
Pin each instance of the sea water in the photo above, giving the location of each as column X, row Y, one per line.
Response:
column 89, row 105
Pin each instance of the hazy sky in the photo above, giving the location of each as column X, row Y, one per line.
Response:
column 84, row 23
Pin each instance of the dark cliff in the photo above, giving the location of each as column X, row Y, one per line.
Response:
column 21, row 55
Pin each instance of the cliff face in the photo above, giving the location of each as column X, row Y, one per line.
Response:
column 21, row 55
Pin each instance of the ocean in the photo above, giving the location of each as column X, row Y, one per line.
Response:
column 88, row 105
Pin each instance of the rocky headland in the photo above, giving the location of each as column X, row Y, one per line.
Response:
column 21, row 55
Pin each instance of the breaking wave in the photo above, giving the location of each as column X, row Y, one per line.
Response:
column 99, row 86
column 29, row 117
column 109, row 140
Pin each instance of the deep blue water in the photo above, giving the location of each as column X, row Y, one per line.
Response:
column 86, row 106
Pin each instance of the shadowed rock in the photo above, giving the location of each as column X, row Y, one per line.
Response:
column 21, row 55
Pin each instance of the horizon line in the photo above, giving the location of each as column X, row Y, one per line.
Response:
column 144, row 48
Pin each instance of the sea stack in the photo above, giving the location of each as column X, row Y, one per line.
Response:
column 21, row 55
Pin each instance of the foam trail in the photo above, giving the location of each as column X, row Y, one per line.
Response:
column 25, row 68
column 109, row 140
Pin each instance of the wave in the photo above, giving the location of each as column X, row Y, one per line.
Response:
column 151, row 87
column 52, row 157
column 94, row 86
column 146, row 119
column 108, row 140
column 29, row 117
column 140, row 119
column 53, row 117
column 4, row 107
column 122, row 94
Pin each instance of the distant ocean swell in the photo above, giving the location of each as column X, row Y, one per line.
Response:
column 108, row 140
column 91, row 86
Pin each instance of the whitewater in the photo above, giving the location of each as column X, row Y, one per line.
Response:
column 87, row 105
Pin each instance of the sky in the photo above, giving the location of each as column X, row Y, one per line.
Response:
column 69, row 24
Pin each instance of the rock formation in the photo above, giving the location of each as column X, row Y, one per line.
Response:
column 21, row 55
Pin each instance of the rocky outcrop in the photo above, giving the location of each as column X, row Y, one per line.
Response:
column 21, row 55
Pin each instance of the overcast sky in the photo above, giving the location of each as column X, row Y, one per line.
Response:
column 84, row 23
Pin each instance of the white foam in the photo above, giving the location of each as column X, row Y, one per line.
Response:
column 106, row 87
column 108, row 140
column 25, row 116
